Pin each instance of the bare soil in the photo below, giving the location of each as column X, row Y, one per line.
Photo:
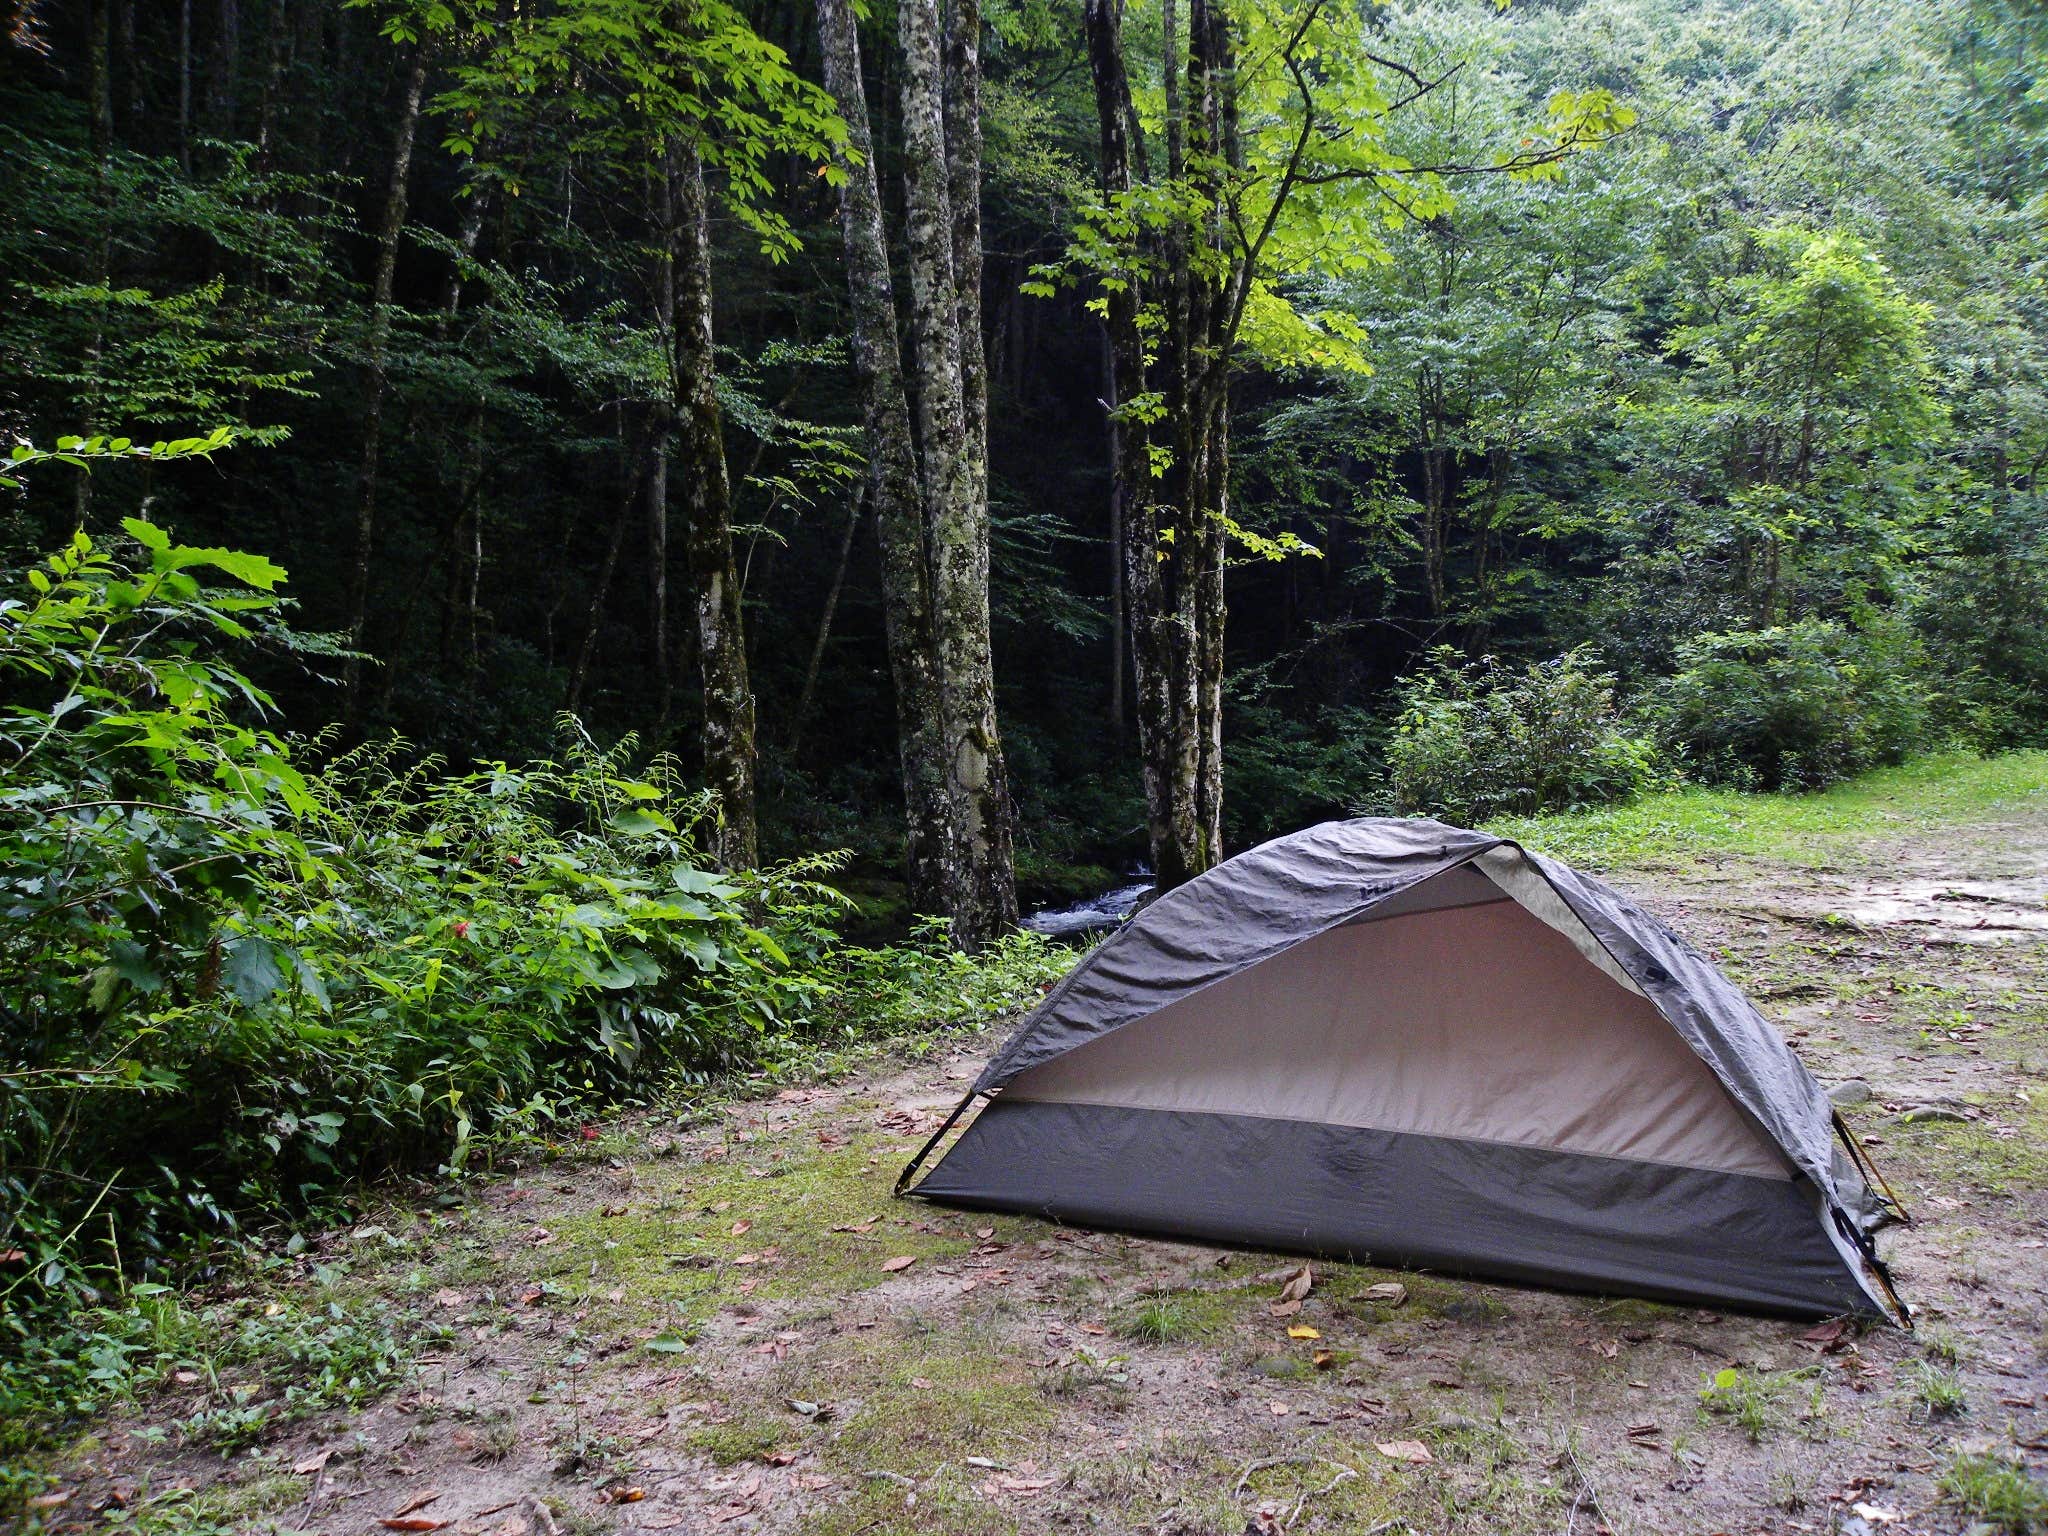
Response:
column 698, row 1327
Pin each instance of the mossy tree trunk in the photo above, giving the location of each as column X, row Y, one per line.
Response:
column 952, row 437
column 928, row 474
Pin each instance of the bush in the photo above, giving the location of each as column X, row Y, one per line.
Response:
column 1474, row 741
column 1796, row 707
column 232, row 983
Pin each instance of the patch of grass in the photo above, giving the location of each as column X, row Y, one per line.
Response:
column 1974, row 1154
column 1939, row 1389
column 1172, row 1317
column 1998, row 1492
column 1753, row 1401
column 1663, row 829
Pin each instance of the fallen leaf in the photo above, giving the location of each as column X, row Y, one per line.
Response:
column 1302, row 1331
column 1297, row 1285
column 419, row 1503
column 1324, row 1360
column 51, row 1500
column 741, row 1228
column 920, row 1383
column 779, row 1458
column 627, row 1495
column 1876, row 1514
column 1278, row 1410
column 1284, row 1308
column 1404, row 1450
column 901, row 1261
column 314, row 1463
column 413, row 1523
column 1392, row 1292
column 1024, row 1484
column 984, row 1233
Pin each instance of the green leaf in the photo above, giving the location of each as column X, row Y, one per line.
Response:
column 252, row 969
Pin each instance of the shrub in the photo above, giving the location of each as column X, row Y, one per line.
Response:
column 1799, row 706
column 1474, row 741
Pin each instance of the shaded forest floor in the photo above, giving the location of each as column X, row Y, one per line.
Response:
column 706, row 1323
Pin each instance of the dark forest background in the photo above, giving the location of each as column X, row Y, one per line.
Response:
column 1742, row 406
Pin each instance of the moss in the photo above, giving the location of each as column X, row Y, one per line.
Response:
column 751, row 1437
column 675, row 1244
column 945, row 1506
column 929, row 1403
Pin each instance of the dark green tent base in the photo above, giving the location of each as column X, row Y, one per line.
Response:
column 1568, row 1220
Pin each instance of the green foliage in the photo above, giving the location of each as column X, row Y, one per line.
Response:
column 1798, row 706
column 1474, row 741
column 235, row 984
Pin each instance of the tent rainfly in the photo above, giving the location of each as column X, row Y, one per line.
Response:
column 1396, row 1041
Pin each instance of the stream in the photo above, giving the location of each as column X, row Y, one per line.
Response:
column 1094, row 915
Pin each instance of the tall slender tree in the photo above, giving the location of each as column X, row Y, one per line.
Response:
column 945, row 608
column 1193, row 257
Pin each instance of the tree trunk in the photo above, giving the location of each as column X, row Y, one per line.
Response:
column 721, row 635
column 389, row 228
column 894, row 489
column 956, row 499
column 1174, row 526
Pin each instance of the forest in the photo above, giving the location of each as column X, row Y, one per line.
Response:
column 563, row 551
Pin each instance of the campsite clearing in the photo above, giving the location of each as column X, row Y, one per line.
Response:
column 710, row 1325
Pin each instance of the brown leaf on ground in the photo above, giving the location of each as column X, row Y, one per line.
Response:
column 1404, row 1450
column 1297, row 1285
column 901, row 1261
column 741, row 1228
column 1392, row 1292
column 413, row 1523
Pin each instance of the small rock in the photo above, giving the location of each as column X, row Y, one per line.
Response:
column 1854, row 1091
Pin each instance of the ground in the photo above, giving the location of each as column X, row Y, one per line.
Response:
column 721, row 1321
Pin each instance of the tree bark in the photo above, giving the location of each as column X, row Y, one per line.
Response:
column 894, row 488
column 956, row 492
column 721, row 635
column 1174, row 524
column 389, row 228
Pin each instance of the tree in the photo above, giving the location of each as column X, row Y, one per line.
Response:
column 935, row 562
column 1273, row 167
column 665, row 91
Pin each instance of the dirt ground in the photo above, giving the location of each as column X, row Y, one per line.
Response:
column 710, row 1325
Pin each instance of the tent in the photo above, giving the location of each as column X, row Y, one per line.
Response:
column 1391, row 1040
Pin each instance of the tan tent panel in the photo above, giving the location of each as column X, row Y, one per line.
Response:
column 1396, row 1040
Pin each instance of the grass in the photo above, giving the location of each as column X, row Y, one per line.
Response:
column 1170, row 1317
column 1752, row 1401
column 1666, row 829
column 1998, row 1492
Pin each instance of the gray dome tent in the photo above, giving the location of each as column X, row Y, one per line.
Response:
column 1396, row 1040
